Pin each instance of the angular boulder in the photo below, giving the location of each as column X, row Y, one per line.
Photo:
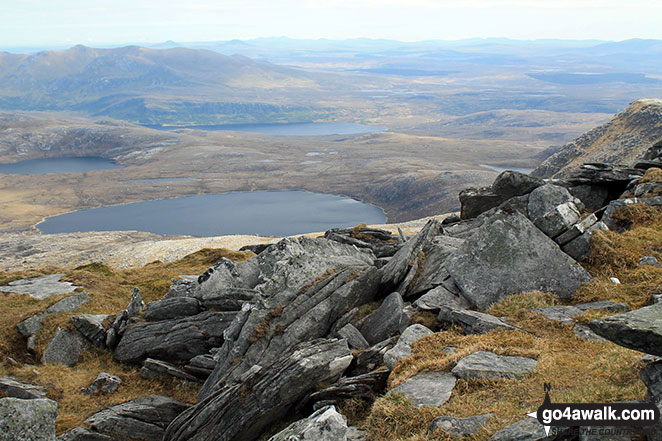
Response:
column 91, row 326
column 473, row 322
column 65, row 348
column 174, row 307
column 512, row 183
column 17, row 389
column 240, row 411
column 402, row 348
column 428, row 388
column 459, row 427
column 640, row 329
column 485, row 364
column 509, row 255
column 388, row 320
column 326, row 424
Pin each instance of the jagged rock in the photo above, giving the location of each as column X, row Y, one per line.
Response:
column 92, row 328
column 594, row 197
column 326, row 424
column 242, row 410
column 364, row 386
column 546, row 198
column 511, row 183
column 485, row 364
column 116, row 330
column 640, row 329
column 16, row 389
column 201, row 365
column 65, row 348
column 353, row 336
column 372, row 357
column 263, row 332
column 459, row 427
column 580, row 247
column 82, row 434
column 517, row 203
column 577, row 229
column 651, row 375
column 647, row 189
column 105, row 383
column 440, row 298
column 256, row 249
column 563, row 314
column 230, row 299
column 381, row 242
column 31, row 325
column 451, row 219
column 597, row 173
column 604, row 305
column 558, row 220
column 174, row 339
column 529, row 429
column 428, row 271
column 428, row 388
column 156, row 368
column 144, row 418
column 475, row 201
column 405, row 262
column 136, row 305
column 473, row 322
column 174, row 307
column 30, row 420
column 585, row 333
column 388, row 320
column 402, row 348
column 40, row 287
column 509, row 255
column 649, row 260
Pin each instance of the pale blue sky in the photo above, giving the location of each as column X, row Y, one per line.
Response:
column 63, row 22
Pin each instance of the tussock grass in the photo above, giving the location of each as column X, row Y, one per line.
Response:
column 653, row 174
column 110, row 291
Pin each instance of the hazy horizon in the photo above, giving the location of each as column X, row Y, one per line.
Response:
column 61, row 23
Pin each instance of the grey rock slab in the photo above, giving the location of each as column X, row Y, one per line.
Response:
column 475, row 201
column 640, row 329
column 356, row 434
column 529, row 429
column 17, row 389
column 428, row 270
column 509, row 255
column 242, row 410
column 65, row 348
column 604, row 305
column 580, row 247
column 201, row 365
column 562, row 314
column 585, row 333
column 105, row 383
column 40, row 287
column 439, row 297
column 29, row 420
column 577, row 229
column 388, row 320
column 31, row 325
column 558, row 220
column 136, row 305
column 428, row 388
column 353, row 336
column 402, row 348
column 594, row 197
column 364, row 386
column 485, row 364
column 459, row 427
column 326, row 424
column 174, row 339
column 649, row 260
column 157, row 368
column 546, row 198
column 474, row 322
column 91, row 327
column 143, row 419
column 174, row 307
column 68, row 304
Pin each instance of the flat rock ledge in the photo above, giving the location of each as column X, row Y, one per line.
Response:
column 428, row 388
column 485, row 364
column 640, row 329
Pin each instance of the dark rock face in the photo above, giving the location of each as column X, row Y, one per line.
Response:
column 16, row 389
column 474, row 322
column 92, row 328
column 172, row 308
column 640, row 329
column 388, row 320
column 511, row 183
column 65, row 348
column 475, row 201
column 509, row 255
column 364, row 386
column 242, row 410
column 142, row 419
column 381, row 242
column 32, row 419
column 82, row 434
column 157, row 368
column 175, row 339
column 402, row 348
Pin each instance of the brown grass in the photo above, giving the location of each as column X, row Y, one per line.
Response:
column 653, row 174
column 110, row 291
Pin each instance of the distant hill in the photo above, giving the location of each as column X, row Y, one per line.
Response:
column 156, row 86
column 622, row 140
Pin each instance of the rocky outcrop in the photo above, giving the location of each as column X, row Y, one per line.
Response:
column 640, row 329
column 623, row 140
column 11, row 387
column 265, row 393
column 65, row 348
column 40, row 287
column 326, row 424
column 402, row 348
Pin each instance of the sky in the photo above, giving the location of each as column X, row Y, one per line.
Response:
column 90, row 22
